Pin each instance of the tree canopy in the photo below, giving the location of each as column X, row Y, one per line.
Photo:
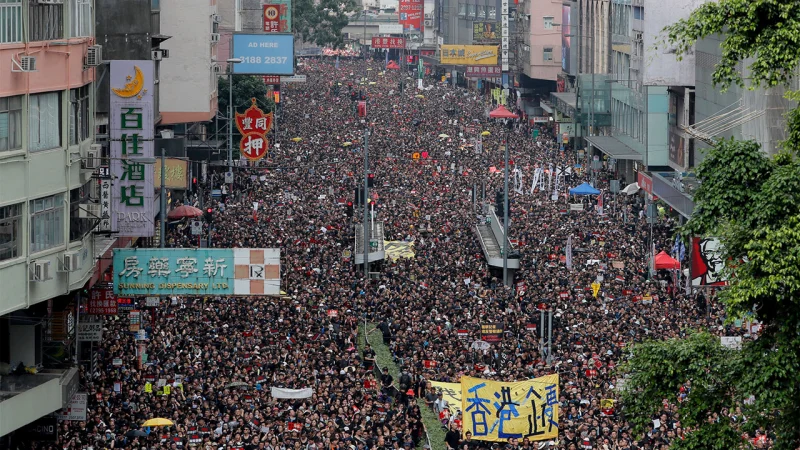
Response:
column 321, row 21
column 752, row 202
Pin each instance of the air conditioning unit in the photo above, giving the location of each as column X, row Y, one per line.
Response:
column 428, row 23
column 40, row 271
column 92, row 160
column 89, row 211
column 72, row 262
column 214, row 38
column 94, row 56
column 156, row 55
column 217, row 68
column 428, row 15
column 25, row 64
column 216, row 18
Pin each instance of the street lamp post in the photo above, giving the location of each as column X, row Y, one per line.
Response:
column 502, row 113
column 231, row 62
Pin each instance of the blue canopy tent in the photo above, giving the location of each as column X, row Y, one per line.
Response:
column 584, row 189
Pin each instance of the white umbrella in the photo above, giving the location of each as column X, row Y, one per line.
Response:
column 631, row 189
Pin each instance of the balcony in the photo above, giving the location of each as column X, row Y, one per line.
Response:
column 25, row 398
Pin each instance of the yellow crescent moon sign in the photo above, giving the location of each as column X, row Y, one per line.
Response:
column 132, row 87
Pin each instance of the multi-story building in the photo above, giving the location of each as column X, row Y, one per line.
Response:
column 540, row 26
column 48, row 59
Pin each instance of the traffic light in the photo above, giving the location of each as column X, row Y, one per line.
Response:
column 209, row 215
column 359, row 195
column 499, row 205
column 371, row 180
column 349, row 209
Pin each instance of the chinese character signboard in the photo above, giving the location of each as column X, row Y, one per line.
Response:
column 460, row 55
column 102, row 301
column 484, row 31
column 254, row 126
column 411, row 15
column 240, row 271
column 492, row 332
column 176, row 176
column 498, row 411
column 272, row 79
column 131, row 141
column 483, row 72
column 105, row 204
column 272, row 19
column 388, row 42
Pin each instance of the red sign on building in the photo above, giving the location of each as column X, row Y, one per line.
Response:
column 272, row 79
column 645, row 182
column 483, row 72
column 388, row 42
column 102, row 301
column 411, row 14
column 254, row 126
column 272, row 19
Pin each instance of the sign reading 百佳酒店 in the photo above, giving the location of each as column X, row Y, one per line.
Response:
column 239, row 271
column 131, row 140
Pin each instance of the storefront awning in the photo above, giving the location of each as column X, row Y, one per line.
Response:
column 547, row 108
column 667, row 189
column 614, row 148
column 569, row 99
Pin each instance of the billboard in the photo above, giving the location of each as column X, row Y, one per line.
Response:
column 707, row 262
column 677, row 147
column 485, row 55
column 390, row 28
column 565, row 38
column 482, row 31
column 254, row 125
column 411, row 15
column 131, row 137
column 277, row 16
column 201, row 271
column 483, row 72
column 264, row 54
column 176, row 175
column 387, row 42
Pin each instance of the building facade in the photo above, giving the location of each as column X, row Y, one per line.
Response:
column 47, row 198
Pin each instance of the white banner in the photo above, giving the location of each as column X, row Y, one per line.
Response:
column 291, row 393
column 76, row 410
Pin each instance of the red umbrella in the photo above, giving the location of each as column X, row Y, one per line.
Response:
column 502, row 113
column 184, row 211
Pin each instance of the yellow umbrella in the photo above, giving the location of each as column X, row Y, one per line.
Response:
column 372, row 82
column 419, row 96
column 443, row 136
column 347, row 144
column 486, row 133
column 297, row 139
column 369, row 68
column 158, row 422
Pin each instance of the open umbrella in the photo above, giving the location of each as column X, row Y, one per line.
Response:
column 372, row 83
column 184, row 211
column 297, row 139
column 443, row 136
column 347, row 144
column 486, row 133
column 158, row 422
column 419, row 96
column 135, row 433
column 236, row 384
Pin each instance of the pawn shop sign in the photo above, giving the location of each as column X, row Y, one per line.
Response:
column 254, row 126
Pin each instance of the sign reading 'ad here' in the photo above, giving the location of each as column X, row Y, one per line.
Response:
column 240, row 271
column 264, row 54
column 131, row 142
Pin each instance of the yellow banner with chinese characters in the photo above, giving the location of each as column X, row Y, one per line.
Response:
column 470, row 55
column 498, row 411
column 175, row 177
column 450, row 392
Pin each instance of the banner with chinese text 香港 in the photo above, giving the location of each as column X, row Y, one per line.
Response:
column 131, row 135
column 498, row 411
column 239, row 271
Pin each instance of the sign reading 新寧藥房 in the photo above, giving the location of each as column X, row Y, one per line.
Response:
column 240, row 271
column 131, row 142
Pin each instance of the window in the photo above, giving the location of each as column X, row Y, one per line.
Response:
column 78, row 227
column 46, row 22
column 44, row 121
column 80, row 16
column 78, row 115
column 548, row 22
column 547, row 54
column 638, row 13
column 10, row 228
column 10, row 122
column 47, row 223
column 462, row 9
column 471, row 10
column 491, row 13
column 10, row 21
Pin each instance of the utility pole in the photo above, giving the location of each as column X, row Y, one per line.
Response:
column 163, row 208
column 367, row 233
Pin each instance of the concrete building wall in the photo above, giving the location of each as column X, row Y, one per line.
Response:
column 661, row 65
column 187, row 77
column 544, row 34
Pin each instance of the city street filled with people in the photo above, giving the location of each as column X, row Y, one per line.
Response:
column 212, row 362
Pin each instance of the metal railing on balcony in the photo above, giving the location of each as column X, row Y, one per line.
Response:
column 10, row 22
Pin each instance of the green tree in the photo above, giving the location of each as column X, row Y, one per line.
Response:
column 752, row 202
column 245, row 87
column 321, row 21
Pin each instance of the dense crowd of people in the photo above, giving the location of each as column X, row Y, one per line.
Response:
column 219, row 357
